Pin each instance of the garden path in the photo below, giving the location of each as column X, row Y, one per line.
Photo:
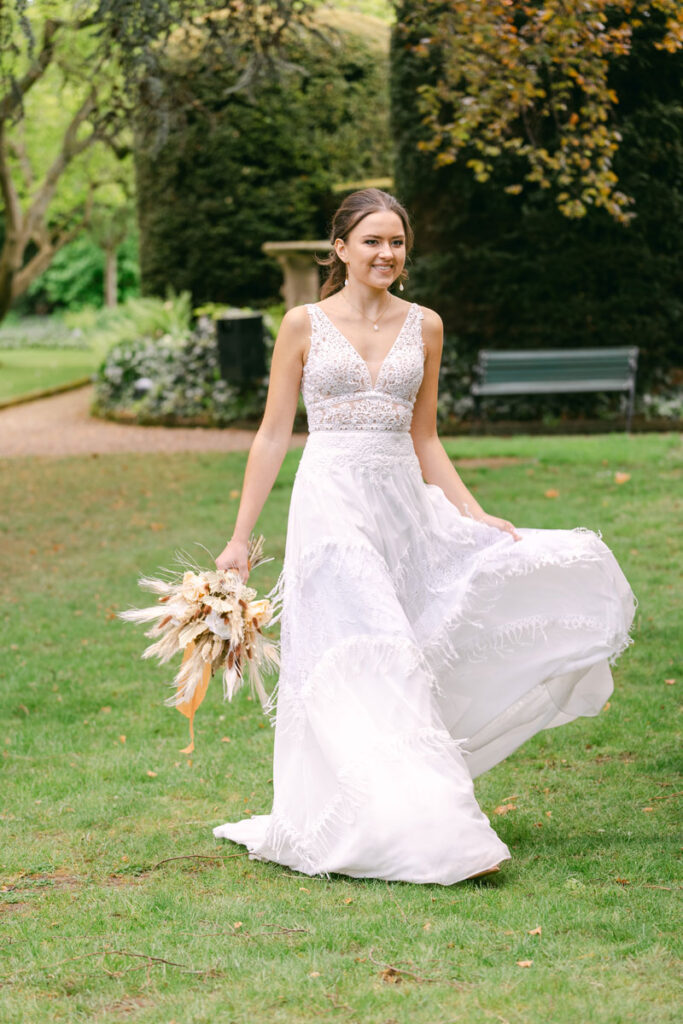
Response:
column 62, row 425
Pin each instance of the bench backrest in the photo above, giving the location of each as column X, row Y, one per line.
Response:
column 558, row 366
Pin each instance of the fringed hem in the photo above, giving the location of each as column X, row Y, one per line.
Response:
column 307, row 852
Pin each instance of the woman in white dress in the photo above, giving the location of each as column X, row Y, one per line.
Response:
column 422, row 638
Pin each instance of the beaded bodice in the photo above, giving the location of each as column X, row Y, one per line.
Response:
column 338, row 390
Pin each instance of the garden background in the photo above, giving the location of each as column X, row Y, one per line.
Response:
column 144, row 161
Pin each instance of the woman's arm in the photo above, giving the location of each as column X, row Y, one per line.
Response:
column 272, row 438
column 436, row 466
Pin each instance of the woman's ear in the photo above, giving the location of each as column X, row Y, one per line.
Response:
column 340, row 249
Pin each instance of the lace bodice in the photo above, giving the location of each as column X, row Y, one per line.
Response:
column 337, row 387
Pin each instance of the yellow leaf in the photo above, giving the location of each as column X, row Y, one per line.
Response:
column 391, row 976
column 669, row 682
column 314, row 974
column 504, row 808
column 535, row 931
column 225, row 739
column 552, row 493
column 524, row 963
column 122, row 738
column 622, row 478
column 237, row 924
column 152, row 774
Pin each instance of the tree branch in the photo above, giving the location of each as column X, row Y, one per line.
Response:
column 12, row 100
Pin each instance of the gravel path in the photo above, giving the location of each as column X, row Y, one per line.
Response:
column 62, row 425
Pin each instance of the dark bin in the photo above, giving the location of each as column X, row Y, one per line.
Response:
column 241, row 348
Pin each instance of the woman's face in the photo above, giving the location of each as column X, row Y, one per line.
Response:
column 375, row 249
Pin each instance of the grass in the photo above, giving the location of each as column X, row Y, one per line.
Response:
column 107, row 842
column 25, row 370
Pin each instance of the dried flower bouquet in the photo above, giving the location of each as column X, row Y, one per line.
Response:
column 217, row 621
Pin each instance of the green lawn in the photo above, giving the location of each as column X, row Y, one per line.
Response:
column 26, row 370
column 116, row 902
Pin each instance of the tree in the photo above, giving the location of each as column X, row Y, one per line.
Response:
column 102, row 59
column 527, row 83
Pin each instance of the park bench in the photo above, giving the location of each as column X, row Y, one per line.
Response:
column 555, row 371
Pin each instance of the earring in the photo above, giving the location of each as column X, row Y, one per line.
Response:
column 400, row 287
column 346, row 279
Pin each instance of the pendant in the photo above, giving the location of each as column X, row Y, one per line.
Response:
column 376, row 327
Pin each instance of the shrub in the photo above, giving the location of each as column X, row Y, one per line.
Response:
column 510, row 272
column 243, row 169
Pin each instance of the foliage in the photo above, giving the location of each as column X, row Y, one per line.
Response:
column 242, row 169
column 106, row 828
column 172, row 378
column 75, row 277
column 34, row 332
column 89, row 65
column 135, row 318
column 510, row 271
column 529, row 84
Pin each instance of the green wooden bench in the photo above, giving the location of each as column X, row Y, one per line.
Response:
column 555, row 371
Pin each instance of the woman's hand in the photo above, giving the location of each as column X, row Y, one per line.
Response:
column 499, row 524
column 234, row 556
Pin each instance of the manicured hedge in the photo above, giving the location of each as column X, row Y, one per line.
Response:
column 244, row 169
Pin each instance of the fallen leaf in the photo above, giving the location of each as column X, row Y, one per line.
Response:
column 669, row 682
column 552, row 493
column 105, row 710
column 348, row 900
column 622, row 881
column 234, row 494
column 548, row 814
column 426, row 926
column 391, row 976
column 524, row 963
column 157, row 526
column 648, row 808
column 535, row 931
column 122, row 738
column 225, row 739
column 606, row 706
column 314, row 974
column 302, row 888
column 152, row 774
column 237, row 924
column 504, row 808
column 622, row 478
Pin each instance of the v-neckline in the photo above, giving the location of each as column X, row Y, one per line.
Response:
column 373, row 384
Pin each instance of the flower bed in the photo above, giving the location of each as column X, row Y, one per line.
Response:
column 173, row 380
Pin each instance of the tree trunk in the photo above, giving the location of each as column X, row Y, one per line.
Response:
column 110, row 277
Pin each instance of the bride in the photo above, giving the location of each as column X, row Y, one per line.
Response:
column 423, row 639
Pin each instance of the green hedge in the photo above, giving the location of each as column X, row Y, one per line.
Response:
column 245, row 169
column 511, row 272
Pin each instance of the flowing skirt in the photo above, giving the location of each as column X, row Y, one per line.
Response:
column 419, row 649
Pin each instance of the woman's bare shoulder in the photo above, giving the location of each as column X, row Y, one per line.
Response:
column 296, row 318
column 432, row 328
column 432, row 320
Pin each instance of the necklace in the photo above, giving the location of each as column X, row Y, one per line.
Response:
column 369, row 318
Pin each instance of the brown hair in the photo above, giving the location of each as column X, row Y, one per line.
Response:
column 355, row 207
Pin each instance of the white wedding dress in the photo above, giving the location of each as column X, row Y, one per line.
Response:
column 419, row 647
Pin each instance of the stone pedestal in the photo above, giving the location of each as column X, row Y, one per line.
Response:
column 300, row 271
